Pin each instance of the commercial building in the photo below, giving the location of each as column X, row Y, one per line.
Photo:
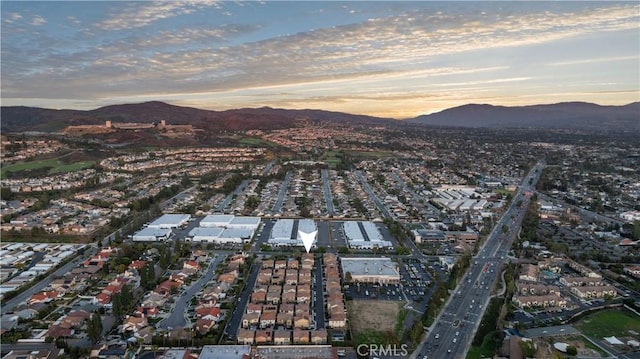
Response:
column 225, row 352
column 285, row 232
column 364, row 235
column 371, row 270
column 170, row 221
column 150, row 234
column 225, row 229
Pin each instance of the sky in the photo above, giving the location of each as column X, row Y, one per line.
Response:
column 387, row 59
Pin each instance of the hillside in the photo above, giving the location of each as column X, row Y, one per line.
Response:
column 19, row 118
column 569, row 115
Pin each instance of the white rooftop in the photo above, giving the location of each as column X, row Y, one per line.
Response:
column 369, row 266
column 224, row 351
column 170, row 220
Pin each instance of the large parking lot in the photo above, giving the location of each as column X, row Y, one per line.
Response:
column 365, row 291
column 415, row 279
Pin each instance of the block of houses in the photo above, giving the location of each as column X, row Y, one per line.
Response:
column 282, row 337
column 544, row 301
column 338, row 320
column 291, row 277
column 264, row 336
column 203, row 326
column 301, row 321
column 304, row 294
column 254, row 308
column 210, row 313
column 245, row 336
column 293, row 264
column 267, row 319
column 319, row 336
column 134, row 324
column 250, row 320
column 571, row 281
column 259, row 297
column 300, row 336
column 590, row 292
column 284, row 319
column 529, row 273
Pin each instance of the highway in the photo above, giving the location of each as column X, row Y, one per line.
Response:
column 454, row 329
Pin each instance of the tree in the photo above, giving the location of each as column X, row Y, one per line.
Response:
column 571, row 350
column 94, row 327
column 347, row 277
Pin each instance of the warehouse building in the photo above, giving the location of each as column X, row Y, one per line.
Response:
column 364, row 235
column 225, row 229
column 285, row 232
column 371, row 270
column 170, row 221
column 150, row 234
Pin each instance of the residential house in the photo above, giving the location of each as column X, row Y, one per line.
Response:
column 301, row 336
column 134, row 324
column 264, row 336
column 282, row 337
column 319, row 336
column 245, row 336
column 250, row 320
column 203, row 326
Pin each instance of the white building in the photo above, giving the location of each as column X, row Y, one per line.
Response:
column 150, row 234
column 225, row 229
column 364, row 235
column 371, row 270
column 282, row 231
column 170, row 221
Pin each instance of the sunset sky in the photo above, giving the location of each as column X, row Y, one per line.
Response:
column 388, row 59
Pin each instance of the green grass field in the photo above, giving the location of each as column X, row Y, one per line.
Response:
column 55, row 166
column 607, row 323
column 253, row 141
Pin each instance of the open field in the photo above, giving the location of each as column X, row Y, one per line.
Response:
column 365, row 315
column 253, row 141
column 53, row 164
column 607, row 323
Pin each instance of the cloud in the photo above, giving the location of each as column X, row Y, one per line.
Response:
column 136, row 15
column 38, row 21
column 396, row 57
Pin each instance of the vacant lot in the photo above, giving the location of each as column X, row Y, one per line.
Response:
column 609, row 322
column 373, row 314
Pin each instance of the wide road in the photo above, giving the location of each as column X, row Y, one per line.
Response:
column 232, row 195
column 453, row 330
column 177, row 316
column 281, row 194
column 10, row 304
column 231, row 331
column 326, row 190
column 365, row 185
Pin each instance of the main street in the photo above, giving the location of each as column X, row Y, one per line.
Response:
column 454, row 329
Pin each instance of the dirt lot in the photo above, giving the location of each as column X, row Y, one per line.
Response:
column 373, row 314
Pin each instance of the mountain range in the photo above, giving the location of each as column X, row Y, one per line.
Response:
column 569, row 115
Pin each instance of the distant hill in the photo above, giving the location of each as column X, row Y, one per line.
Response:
column 569, row 115
column 20, row 118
